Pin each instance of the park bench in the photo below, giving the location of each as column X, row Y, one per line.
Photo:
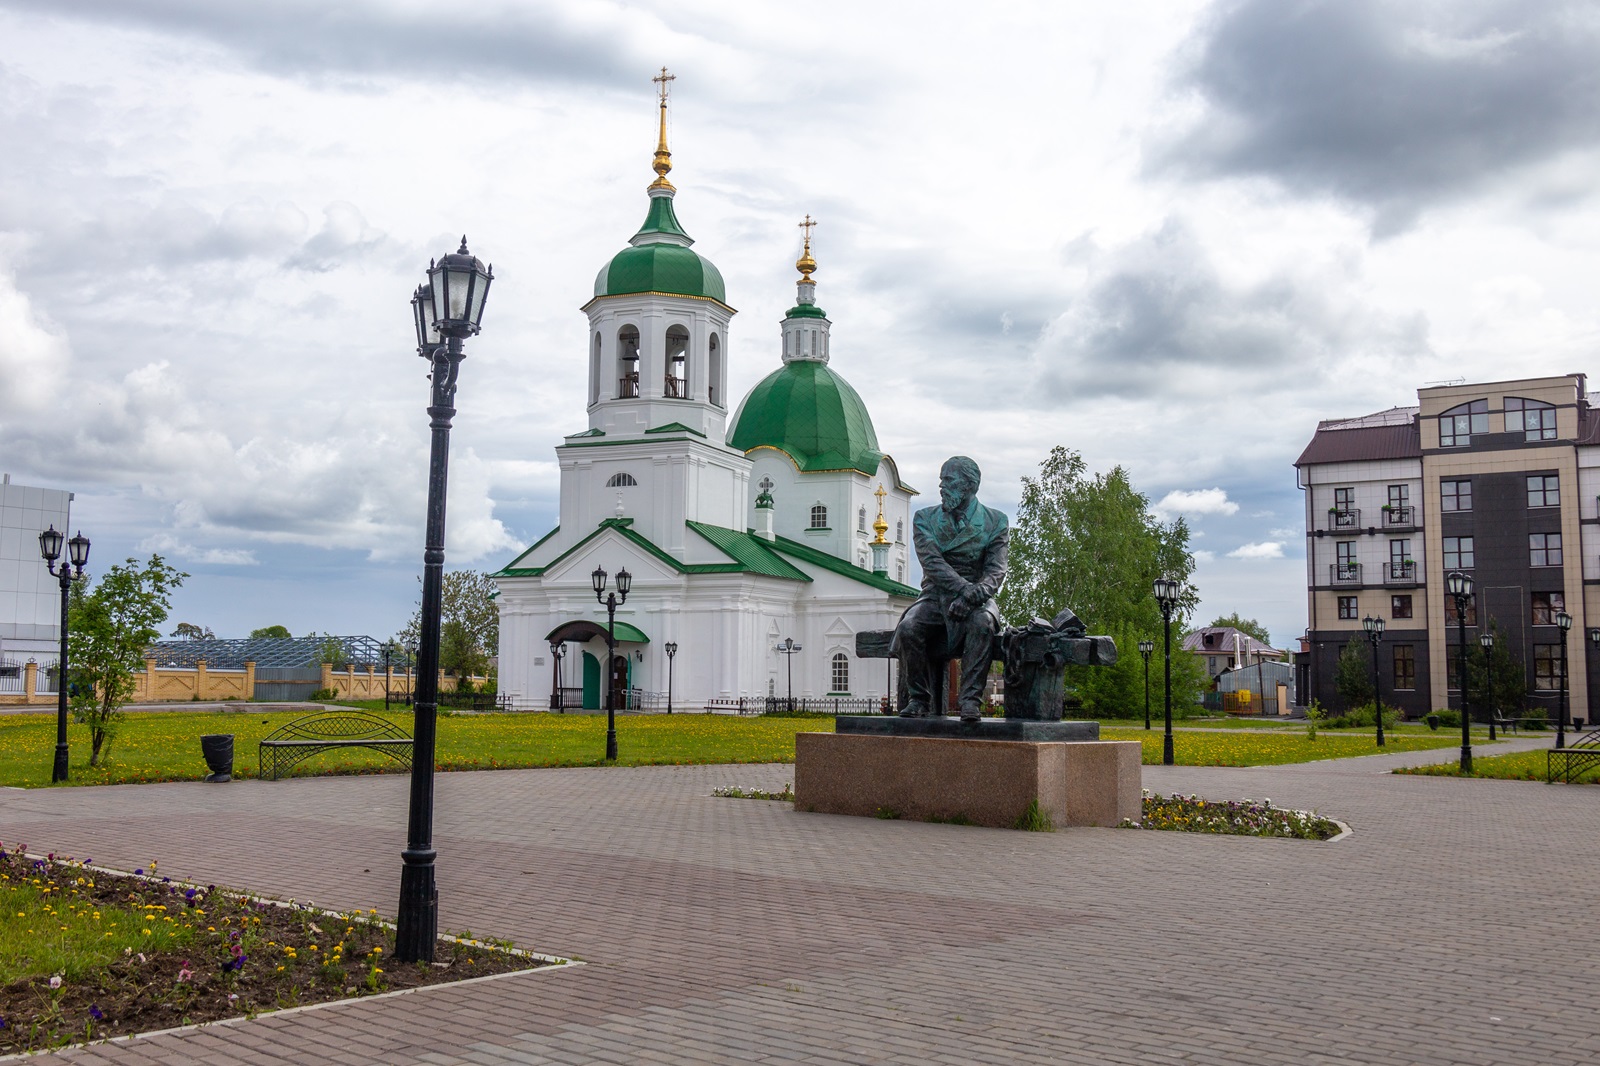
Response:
column 1575, row 758
column 1506, row 724
column 289, row 745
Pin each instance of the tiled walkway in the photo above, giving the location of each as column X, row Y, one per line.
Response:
column 1453, row 926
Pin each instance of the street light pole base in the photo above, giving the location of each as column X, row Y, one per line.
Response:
column 418, row 925
column 58, row 773
column 611, row 745
column 1466, row 760
column 1166, row 751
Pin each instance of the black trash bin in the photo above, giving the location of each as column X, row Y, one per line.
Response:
column 218, row 750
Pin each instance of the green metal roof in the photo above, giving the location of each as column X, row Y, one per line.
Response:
column 839, row 566
column 813, row 415
column 655, row 264
column 753, row 553
column 624, row 631
column 805, row 311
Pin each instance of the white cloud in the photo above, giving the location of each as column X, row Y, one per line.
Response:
column 1204, row 556
column 1270, row 549
column 1191, row 502
column 183, row 551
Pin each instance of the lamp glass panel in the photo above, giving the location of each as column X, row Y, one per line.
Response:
column 598, row 579
column 480, row 292
column 459, row 284
column 624, row 581
column 1564, row 620
column 78, row 548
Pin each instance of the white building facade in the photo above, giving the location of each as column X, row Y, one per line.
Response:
column 739, row 535
column 30, row 599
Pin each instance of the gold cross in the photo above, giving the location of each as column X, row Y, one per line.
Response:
column 661, row 80
column 806, row 225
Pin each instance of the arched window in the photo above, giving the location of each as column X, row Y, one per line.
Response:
column 841, row 672
column 900, row 531
column 676, row 385
column 594, row 372
column 627, row 362
column 1534, row 419
column 714, row 382
column 621, row 480
column 861, row 520
column 1457, row 425
column 819, row 517
column 900, row 572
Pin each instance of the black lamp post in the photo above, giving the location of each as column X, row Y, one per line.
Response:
column 1564, row 620
column 445, row 311
column 790, row 649
column 1145, row 648
column 1594, row 640
column 672, row 653
column 388, row 656
column 1166, row 591
column 558, row 651
column 1486, row 641
column 610, row 599
column 1374, row 628
column 77, row 557
column 1459, row 586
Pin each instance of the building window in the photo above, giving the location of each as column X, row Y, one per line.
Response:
column 714, row 381
column 620, row 481
column 1457, row 553
column 899, row 531
column 1544, row 549
column 1547, row 667
column 1546, row 605
column 1405, row 666
column 861, row 520
column 1347, row 607
column 1534, row 419
column 1400, row 606
column 1544, row 490
column 1455, row 495
column 1457, row 425
column 841, row 672
column 627, row 362
column 772, row 687
column 1399, row 495
column 819, row 517
column 1450, row 611
column 1399, row 555
column 900, row 572
column 676, row 384
column 594, row 372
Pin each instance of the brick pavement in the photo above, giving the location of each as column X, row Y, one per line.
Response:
column 736, row 931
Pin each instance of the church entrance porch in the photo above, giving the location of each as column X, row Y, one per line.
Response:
column 619, row 674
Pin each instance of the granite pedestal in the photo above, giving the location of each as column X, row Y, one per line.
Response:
column 941, row 775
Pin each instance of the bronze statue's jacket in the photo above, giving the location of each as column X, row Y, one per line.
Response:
column 969, row 548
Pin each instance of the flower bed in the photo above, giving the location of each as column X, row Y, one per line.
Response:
column 1191, row 814
column 87, row 953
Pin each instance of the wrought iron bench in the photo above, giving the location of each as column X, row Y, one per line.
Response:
column 1576, row 757
column 289, row 745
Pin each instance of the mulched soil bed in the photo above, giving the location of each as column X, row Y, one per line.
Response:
column 95, row 954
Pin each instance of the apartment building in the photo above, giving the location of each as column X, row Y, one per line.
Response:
column 1497, row 480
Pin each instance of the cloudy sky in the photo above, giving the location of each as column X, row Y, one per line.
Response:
column 1170, row 235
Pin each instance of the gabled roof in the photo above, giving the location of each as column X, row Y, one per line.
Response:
column 1223, row 644
column 1392, row 434
column 807, row 553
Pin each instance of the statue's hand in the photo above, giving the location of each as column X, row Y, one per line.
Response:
column 959, row 608
column 973, row 597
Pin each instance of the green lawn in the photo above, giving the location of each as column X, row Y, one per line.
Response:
column 1519, row 766
column 165, row 746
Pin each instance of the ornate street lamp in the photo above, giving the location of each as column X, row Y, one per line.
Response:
column 1486, row 640
column 672, row 653
column 1374, row 628
column 445, row 312
column 789, row 649
column 1459, row 586
column 610, row 599
column 1594, row 641
column 558, row 651
column 388, row 655
column 1166, row 590
column 1145, row 648
column 1564, row 620
column 77, row 558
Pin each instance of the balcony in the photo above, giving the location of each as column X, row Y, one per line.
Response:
column 1344, row 518
column 1397, row 517
column 1345, row 573
column 1400, row 573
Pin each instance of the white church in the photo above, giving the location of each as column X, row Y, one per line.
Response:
column 786, row 526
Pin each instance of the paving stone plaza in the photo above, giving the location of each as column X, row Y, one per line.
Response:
column 1453, row 925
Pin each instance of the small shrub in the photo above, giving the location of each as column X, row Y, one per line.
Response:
column 323, row 695
column 1448, row 717
column 1034, row 820
column 1362, row 717
column 1314, row 717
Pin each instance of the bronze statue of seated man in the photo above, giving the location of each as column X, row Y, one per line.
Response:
column 961, row 545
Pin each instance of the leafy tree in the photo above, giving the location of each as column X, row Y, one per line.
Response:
column 1248, row 626
column 190, row 631
column 279, row 632
column 109, row 627
column 469, row 623
column 1497, row 679
column 1091, row 543
column 331, row 650
column 1352, row 677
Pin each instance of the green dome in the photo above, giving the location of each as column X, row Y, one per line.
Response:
column 658, row 263
column 669, row 268
column 812, row 414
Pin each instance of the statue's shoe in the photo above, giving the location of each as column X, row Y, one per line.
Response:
column 915, row 710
